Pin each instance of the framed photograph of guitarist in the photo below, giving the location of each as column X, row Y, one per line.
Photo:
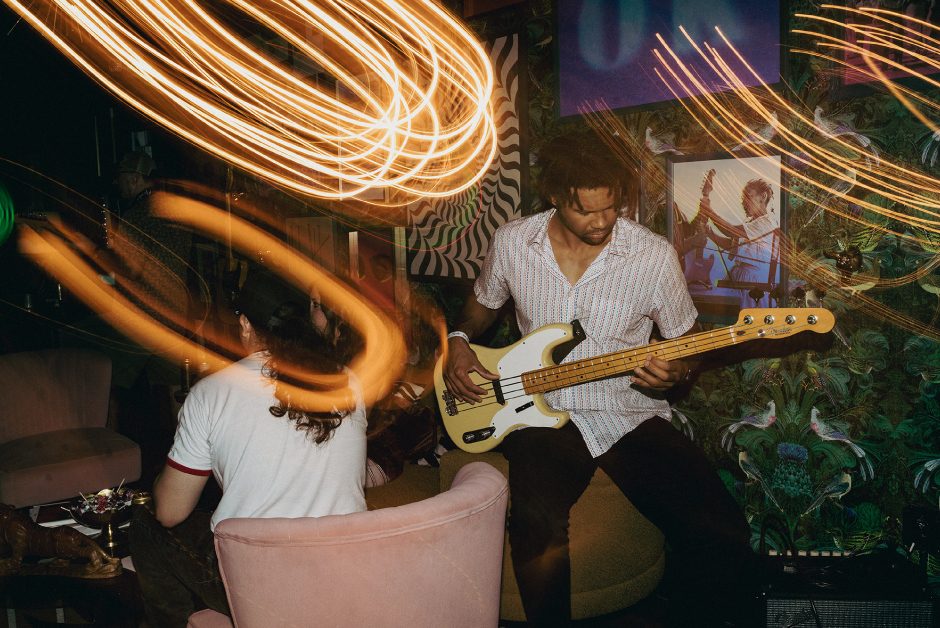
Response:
column 728, row 224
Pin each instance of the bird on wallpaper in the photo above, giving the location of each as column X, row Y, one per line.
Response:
column 761, row 421
column 866, row 280
column 927, row 473
column 839, row 486
column 930, row 283
column 768, row 371
column 837, row 126
column 751, row 471
column 832, row 433
column 661, row 143
column 818, row 377
column 684, row 422
column 840, row 188
column 761, row 135
column 931, row 148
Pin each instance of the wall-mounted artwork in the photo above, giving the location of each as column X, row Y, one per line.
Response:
column 313, row 238
column 854, row 78
column 728, row 224
column 372, row 266
column 448, row 237
column 605, row 49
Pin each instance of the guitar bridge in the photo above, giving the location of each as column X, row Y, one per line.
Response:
column 450, row 403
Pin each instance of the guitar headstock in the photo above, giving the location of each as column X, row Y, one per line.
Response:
column 707, row 182
column 781, row 322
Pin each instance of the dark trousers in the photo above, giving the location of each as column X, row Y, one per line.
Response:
column 668, row 479
column 173, row 564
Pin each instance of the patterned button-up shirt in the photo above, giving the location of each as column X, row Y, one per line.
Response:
column 635, row 282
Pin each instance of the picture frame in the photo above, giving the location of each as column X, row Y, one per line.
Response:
column 733, row 254
column 848, row 82
column 448, row 238
column 372, row 266
column 313, row 237
column 604, row 50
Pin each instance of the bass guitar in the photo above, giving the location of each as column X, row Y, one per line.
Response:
column 527, row 371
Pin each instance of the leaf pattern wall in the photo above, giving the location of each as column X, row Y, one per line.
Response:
column 449, row 237
column 877, row 385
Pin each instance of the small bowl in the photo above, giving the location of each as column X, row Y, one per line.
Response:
column 101, row 519
column 111, row 539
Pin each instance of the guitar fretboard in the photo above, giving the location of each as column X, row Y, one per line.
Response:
column 622, row 362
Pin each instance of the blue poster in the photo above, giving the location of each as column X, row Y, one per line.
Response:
column 605, row 47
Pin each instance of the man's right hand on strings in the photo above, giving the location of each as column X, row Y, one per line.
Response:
column 461, row 361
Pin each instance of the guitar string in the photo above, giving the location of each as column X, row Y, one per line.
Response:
column 514, row 394
column 511, row 393
column 616, row 364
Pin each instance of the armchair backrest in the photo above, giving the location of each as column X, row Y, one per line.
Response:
column 436, row 562
column 52, row 389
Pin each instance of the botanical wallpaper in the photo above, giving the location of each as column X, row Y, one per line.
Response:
column 834, row 436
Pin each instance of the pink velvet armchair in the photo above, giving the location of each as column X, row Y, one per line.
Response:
column 53, row 439
column 436, row 562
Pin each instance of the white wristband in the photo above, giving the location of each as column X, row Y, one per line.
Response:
column 458, row 334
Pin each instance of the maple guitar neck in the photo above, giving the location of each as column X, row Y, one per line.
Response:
column 527, row 369
column 754, row 324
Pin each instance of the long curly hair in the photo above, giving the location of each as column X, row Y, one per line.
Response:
column 294, row 343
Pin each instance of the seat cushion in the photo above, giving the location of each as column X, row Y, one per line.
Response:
column 209, row 619
column 617, row 555
column 416, row 482
column 61, row 464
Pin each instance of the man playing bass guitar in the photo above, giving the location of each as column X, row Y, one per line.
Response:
column 582, row 259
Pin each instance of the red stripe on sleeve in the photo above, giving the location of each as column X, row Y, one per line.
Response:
column 200, row 472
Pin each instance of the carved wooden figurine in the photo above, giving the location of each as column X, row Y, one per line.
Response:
column 21, row 537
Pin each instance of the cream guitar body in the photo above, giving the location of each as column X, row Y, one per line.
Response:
column 479, row 423
column 526, row 371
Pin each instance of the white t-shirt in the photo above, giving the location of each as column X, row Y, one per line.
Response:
column 759, row 246
column 265, row 466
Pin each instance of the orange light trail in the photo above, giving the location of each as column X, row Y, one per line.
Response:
column 720, row 118
column 410, row 111
column 911, row 197
column 377, row 366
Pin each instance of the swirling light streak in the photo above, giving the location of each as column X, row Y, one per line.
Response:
column 384, row 347
column 419, row 121
column 718, row 115
column 895, row 182
column 377, row 366
column 902, row 185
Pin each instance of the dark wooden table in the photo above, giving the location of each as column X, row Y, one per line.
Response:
column 43, row 601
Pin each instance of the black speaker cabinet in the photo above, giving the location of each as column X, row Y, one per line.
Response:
column 879, row 590
column 784, row 612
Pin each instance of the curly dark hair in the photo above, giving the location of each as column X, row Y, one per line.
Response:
column 583, row 160
column 294, row 343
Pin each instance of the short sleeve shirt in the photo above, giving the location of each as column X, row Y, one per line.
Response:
column 264, row 464
column 634, row 283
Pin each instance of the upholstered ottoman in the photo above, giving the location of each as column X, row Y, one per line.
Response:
column 617, row 555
